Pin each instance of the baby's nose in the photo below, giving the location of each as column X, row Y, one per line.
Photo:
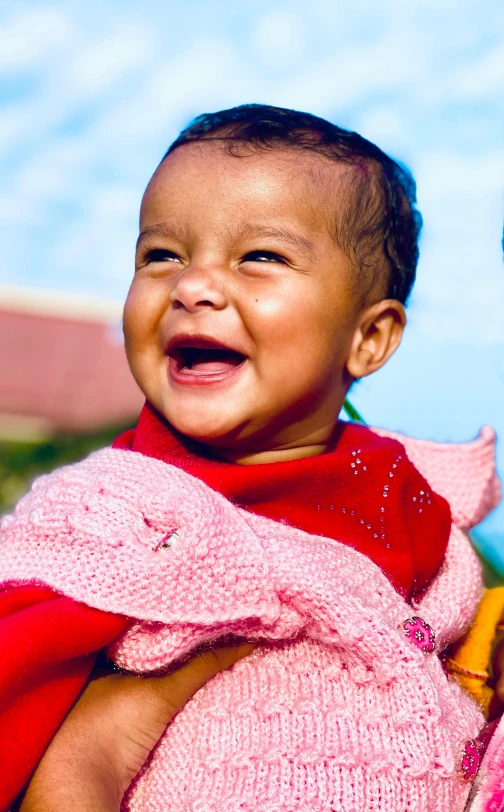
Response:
column 197, row 287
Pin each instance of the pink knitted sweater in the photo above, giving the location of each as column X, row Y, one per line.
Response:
column 337, row 708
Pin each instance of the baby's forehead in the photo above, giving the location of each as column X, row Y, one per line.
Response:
column 302, row 177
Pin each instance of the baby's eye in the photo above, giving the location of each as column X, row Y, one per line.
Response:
column 263, row 256
column 161, row 255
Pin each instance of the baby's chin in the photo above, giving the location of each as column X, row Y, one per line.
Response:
column 219, row 430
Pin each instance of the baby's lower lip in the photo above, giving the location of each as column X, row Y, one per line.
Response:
column 190, row 377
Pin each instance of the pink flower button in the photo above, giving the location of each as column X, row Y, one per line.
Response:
column 470, row 760
column 420, row 633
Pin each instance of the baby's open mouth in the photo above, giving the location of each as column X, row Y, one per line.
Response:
column 205, row 360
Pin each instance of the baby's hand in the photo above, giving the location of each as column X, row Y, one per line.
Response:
column 108, row 735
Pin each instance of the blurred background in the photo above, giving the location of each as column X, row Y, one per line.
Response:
column 91, row 96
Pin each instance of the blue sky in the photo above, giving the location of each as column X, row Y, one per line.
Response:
column 92, row 94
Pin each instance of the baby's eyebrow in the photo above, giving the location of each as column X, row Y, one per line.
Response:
column 299, row 242
column 248, row 232
column 163, row 229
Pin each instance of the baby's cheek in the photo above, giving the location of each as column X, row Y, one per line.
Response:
column 147, row 302
column 134, row 326
column 143, row 313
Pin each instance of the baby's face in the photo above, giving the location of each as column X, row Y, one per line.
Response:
column 242, row 310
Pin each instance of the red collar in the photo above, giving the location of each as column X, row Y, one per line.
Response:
column 363, row 492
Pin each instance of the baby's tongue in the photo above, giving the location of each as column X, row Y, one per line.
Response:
column 206, row 362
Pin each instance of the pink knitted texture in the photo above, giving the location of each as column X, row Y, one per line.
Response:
column 335, row 709
column 487, row 793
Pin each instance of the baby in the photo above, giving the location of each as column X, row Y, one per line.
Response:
column 275, row 257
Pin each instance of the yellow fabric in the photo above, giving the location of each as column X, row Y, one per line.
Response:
column 474, row 652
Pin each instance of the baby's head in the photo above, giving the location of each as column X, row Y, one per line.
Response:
column 275, row 256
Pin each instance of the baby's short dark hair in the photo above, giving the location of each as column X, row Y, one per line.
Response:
column 380, row 227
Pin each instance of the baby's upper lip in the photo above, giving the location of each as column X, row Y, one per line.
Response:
column 199, row 341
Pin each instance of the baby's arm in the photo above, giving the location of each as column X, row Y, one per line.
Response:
column 107, row 737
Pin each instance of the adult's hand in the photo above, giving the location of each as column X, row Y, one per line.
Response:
column 108, row 735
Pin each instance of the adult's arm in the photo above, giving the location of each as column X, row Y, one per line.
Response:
column 108, row 735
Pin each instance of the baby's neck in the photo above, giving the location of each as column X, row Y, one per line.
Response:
column 270, row 455
column 316, row 441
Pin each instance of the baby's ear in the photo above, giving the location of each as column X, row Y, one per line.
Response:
column 376, row 337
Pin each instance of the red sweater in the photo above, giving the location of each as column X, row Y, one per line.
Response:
column 49, row 643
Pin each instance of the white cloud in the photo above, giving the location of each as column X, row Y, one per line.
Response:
column 386, row 125
column 483, row 77
column 280, row 37
column 33, row 36
column 460, row 287
column 109, row 59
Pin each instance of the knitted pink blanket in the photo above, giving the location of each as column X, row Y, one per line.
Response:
column 341, row 706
